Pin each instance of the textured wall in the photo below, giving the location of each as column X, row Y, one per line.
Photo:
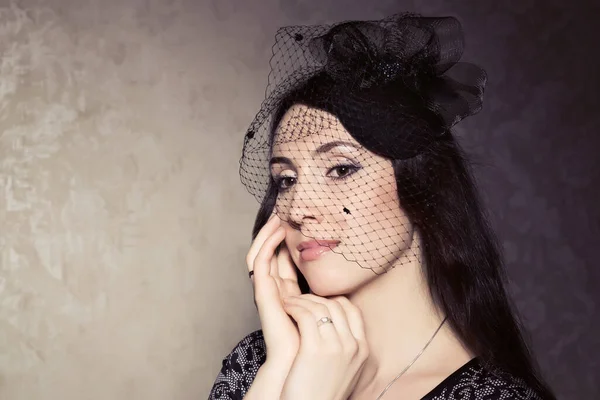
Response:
column 123, row 223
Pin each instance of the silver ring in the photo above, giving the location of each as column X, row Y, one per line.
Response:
column 324, row 320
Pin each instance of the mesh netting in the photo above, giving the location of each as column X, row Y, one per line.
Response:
column 344, row 103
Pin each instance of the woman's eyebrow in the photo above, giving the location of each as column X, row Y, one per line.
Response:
column 324, row 148
column 280, row 160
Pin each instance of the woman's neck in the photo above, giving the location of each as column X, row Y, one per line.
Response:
column 400, row 318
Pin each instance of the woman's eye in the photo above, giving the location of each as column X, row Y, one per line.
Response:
column 285, row 182
column 342, row 171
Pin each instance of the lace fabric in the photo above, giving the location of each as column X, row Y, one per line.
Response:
column 470, row 382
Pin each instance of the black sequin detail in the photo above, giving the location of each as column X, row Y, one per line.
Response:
column 470, row 382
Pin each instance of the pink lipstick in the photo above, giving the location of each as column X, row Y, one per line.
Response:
column 311, row 250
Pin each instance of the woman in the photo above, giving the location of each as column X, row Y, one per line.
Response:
column 375, row 272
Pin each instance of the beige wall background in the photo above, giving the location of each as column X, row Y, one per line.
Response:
column 123, row 223
column 124, row 226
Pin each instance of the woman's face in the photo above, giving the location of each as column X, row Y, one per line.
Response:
column 338, row 201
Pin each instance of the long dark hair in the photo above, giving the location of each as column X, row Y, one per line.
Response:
column 463, row 265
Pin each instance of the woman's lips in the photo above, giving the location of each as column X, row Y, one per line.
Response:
column 313, row 249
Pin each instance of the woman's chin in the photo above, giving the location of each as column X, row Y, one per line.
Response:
column 333, row 276
column 329, row 284
column 328, row 291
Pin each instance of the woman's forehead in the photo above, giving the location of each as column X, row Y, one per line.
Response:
column 307, row 128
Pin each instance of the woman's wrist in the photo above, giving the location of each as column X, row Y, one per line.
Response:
column 269, row 380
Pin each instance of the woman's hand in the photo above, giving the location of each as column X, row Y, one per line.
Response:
column 274, row 279
column 331, row 355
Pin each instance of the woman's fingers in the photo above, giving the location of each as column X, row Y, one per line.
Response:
column 262, row 261
column 265, row 288
column 285, row 264
column 326, row 363
column 286, row 271
column 325, row 337
column 356, row 325
column 339, row 317
column 337, row 313
column 347, row 329
column 272, row 224
column 306, row 322
column 355, row 319
column 273, row 267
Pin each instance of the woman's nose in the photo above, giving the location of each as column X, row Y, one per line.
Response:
column 304, row 204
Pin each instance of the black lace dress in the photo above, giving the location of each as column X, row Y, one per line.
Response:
column 470, row 382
